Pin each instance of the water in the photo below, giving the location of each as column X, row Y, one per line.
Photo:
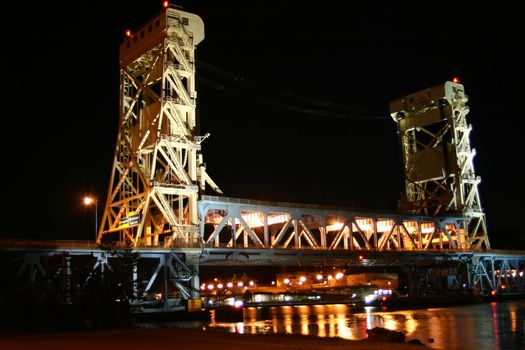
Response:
column 497, row 325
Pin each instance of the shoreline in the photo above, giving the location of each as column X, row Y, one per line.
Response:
column 139, row 339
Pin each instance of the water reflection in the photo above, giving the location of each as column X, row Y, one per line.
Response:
column 480, row 326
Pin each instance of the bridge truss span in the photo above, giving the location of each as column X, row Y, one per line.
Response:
column 238, row 223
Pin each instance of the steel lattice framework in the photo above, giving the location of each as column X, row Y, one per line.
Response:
column 161, row 278
column 158, row 172
column 157, row 169
column 237, row 223
column 438, row 160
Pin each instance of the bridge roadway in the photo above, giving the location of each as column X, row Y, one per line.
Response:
column 239, row 256
column 162, row 268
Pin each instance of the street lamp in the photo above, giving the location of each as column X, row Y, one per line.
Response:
column 88, row 201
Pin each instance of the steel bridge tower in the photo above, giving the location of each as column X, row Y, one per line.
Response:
column 158, row 171
column 438, row 160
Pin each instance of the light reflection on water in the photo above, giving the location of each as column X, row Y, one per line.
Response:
column 478, row 326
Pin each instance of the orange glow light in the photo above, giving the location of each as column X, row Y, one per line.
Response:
column 128, row 33
column 165, row 4
column 456, row 80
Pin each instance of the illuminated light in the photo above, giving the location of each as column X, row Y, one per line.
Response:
column 329, row 277
column 384, row 225
column 369, row 298
column 240, row 284
column 229, row 285
column 302, row 279
column 165, row 4
column 456, row 80
column 286, row 281
column 427, row 228
column 300, row 283
column 238, row 303
column 493, row 293
column 88, row 200
column 319, row 277
column 128, row 33
column 220, row 286
column 384, row 298
column 251, row 283
column 339, row 275
column 521, row 273
column 256, row 219
column 273, row 283
column 203, row 287
column 211, row 286
column 338, row 225
column 158, row 296
column 360, row 257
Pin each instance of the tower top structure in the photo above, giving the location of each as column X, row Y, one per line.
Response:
column 438, row 160
column 150, row 35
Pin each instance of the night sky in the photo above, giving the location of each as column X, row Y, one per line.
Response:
column 295, row 95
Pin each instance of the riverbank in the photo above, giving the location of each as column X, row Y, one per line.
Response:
column 139, row 339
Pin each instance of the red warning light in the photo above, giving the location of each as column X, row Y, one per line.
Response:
column 165, row 4
column 493, row 293
column 128, row 33
column 360, row 257
column 456, row 80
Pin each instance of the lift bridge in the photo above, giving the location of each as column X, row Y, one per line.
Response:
column 156, row 205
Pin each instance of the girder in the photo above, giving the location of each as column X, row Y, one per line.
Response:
column 170, row 275
column 153, row 280
column 240, row 223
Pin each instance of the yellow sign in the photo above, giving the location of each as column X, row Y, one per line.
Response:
column 194, row 304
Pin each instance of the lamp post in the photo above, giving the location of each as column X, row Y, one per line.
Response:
column 88, row 201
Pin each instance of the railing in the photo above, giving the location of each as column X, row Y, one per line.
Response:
column 40, row 243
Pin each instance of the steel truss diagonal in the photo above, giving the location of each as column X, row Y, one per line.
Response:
column 438, row 160
column 497, row 271
column 237, row 223
column 153, row 281
column 158, row 169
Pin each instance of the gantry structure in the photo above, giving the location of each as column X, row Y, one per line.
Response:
column 158, row 178
column 438, row 160
column 158, row 169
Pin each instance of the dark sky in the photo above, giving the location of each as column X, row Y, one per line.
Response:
column 295, row 95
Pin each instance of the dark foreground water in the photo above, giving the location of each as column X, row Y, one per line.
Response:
column 496, row 325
